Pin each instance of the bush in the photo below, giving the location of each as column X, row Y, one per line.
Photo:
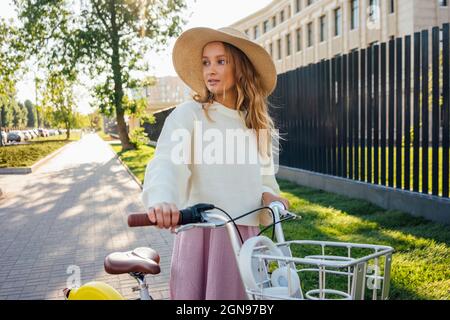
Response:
column 139, row 138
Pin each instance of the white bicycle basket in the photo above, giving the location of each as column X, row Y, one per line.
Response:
column 317, row 270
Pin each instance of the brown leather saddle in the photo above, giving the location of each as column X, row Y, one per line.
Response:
column 140, row 260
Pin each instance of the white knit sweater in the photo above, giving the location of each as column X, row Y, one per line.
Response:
column 233, row 186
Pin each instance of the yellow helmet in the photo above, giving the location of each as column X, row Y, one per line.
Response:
column 94, row 290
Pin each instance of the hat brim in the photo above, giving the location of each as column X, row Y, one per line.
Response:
column 188, row 49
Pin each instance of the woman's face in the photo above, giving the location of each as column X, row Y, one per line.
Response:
column 218, row 73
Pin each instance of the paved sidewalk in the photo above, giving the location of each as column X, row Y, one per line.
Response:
column 72, row 211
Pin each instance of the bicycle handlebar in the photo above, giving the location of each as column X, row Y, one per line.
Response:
column 192, row 215
column 189, row 215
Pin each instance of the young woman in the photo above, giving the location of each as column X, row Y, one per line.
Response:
column 231, row 77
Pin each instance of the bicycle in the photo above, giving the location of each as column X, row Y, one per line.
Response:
column 268, row 269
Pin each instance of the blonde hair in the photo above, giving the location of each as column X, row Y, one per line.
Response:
column 251, row 97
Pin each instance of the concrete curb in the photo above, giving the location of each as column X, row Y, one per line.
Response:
column 130, row 172
column 34, row 167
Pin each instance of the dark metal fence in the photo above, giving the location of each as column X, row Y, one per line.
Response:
column 378, row 115
column 153, row 130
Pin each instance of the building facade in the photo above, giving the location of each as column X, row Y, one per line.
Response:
column 300, row 32
column 165, row 94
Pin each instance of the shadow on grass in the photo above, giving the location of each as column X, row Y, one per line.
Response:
column 384, row 219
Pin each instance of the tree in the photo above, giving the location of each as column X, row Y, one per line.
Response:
column 7, row 112
column 58, row 99
column 10, row 60
column 81, row 120
column 108, row 38
column 20, row 115
column 31, row 121
column 38, row 83
column 95, row 121
column 46, row 116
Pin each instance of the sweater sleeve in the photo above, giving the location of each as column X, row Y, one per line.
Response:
column 167, row 180
column 269, row 183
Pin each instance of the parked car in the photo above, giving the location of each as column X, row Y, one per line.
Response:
column 31, row 133
column 43, row 132
column 22, row 135
column 15, row 136
column 26, row 135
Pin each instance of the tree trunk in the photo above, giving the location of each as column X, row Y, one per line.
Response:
column 67, row 130
column 118, row 88
column 38, row 119
column 1, row 136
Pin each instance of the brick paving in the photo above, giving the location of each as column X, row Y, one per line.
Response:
column 73, row 211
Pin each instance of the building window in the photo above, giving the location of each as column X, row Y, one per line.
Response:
column 299, row 39
column 391, row 6
column 274, row 21
column 354, row 11
column 323, row 27
column 297, row 6
column 374, row 10
column 266, row 26
column 288, row 44
column 282, row 16
column 279, row 48
column 310, row 2
column 337, row 22
column 247, row 32
column 310, row 34
column 271, row 49
column 443, row 3
column 256, row 31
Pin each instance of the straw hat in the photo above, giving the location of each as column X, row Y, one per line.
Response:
column 188, row 49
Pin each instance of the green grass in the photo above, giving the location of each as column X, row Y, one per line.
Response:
column 136, row 160
column 421, row 262
column 13, row 156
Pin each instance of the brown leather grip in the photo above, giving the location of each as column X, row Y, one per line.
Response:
column 139, row 220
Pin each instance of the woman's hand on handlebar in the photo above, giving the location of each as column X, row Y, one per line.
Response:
column 164, row 215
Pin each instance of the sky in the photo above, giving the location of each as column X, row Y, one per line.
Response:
column 203, row 13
